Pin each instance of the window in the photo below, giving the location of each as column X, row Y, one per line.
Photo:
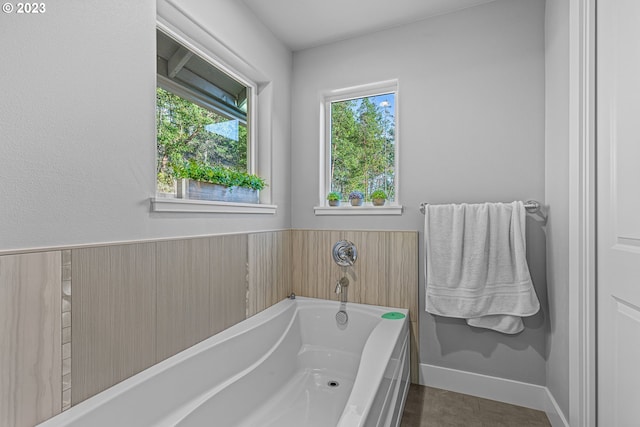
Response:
column 361, row 144
column 203, row 115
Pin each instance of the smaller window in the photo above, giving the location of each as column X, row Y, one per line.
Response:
column 361, row 142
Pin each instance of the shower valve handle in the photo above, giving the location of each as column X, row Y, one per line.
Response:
column 344, row 253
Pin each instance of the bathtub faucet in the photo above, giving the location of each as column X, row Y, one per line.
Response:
column 341, row 288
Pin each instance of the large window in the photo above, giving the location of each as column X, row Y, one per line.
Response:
column 203, row 115
column 361, row 141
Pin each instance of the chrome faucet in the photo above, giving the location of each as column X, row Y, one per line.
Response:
column 341, row 288
column 344, row 253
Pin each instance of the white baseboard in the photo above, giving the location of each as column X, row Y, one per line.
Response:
column 503, row 390
column 554, row 413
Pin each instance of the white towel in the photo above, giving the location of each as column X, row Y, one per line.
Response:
column 476, row 266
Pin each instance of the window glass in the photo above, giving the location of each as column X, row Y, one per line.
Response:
column 201, row 114
column 363, row 145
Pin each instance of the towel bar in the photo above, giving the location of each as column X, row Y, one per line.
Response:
column 531, row 206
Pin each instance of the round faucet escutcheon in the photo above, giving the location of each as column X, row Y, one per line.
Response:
column 344, row 253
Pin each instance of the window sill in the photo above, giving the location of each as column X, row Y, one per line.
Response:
column 161, row 204
column 358, row 210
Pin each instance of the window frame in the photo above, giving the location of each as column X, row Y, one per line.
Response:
column 168, row 204
column 361, row 91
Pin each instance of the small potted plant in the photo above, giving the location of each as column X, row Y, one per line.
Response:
column 356, row 198
column 334, row 198
column 378, row 197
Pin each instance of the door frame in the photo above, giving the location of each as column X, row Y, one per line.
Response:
column 582, row 213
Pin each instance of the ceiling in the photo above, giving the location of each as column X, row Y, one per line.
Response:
column 301, row 24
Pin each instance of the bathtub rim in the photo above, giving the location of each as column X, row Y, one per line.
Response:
column 359, row 404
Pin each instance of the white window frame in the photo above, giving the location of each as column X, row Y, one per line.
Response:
column 167, row 204
column 362, row 91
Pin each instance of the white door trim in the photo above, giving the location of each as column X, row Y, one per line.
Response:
column 582, row 233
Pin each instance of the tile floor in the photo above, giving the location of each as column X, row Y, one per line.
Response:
column 432, row 407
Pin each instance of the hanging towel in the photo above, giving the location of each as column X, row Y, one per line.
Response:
column 476, row 266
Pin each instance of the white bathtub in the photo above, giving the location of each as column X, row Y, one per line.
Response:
column 277, row 368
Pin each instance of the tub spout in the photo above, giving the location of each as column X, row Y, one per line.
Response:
column 341, row 288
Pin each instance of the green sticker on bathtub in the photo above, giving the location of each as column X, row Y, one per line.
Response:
column 393, row 315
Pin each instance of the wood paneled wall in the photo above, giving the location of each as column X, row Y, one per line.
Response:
column 30, row 338
column 201, row 289
column 269, row 270
column 228, row 300
column 182, row 295
column 138, row 304
column 386, row 272
column 113, row 317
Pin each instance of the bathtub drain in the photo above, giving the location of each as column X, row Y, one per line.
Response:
column 333, row 383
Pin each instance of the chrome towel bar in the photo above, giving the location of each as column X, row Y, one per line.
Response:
column 531, row 206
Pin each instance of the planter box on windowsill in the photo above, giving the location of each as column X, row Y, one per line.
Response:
column 198, row 190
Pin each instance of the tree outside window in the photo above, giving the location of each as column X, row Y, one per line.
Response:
column 187, row 131
column 363, row 145
column 202, row 117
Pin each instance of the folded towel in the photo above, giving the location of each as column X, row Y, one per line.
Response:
column 476, row 266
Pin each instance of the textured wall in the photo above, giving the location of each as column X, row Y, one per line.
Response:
column 77, row 115
column 471, row 129
column 557, row 197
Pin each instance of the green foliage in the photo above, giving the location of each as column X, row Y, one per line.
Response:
column 379, row 194
column 166, row 183
column 183, row 135
column 218, row 175
column 362, row 147
column 334, row 195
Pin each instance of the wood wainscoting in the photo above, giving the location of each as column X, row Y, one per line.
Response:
column 385, row 273
column 30, row 337
column 138, row 303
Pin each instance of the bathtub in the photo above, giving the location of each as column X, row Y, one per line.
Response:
column 292, row 364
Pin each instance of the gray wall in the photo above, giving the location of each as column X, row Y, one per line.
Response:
column 557, row 197
column 471, row 118
column 77, row 121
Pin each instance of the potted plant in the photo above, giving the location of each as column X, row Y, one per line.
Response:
column 197, row 180
column 378, row 197
column 334, row 198
column 356, row 198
